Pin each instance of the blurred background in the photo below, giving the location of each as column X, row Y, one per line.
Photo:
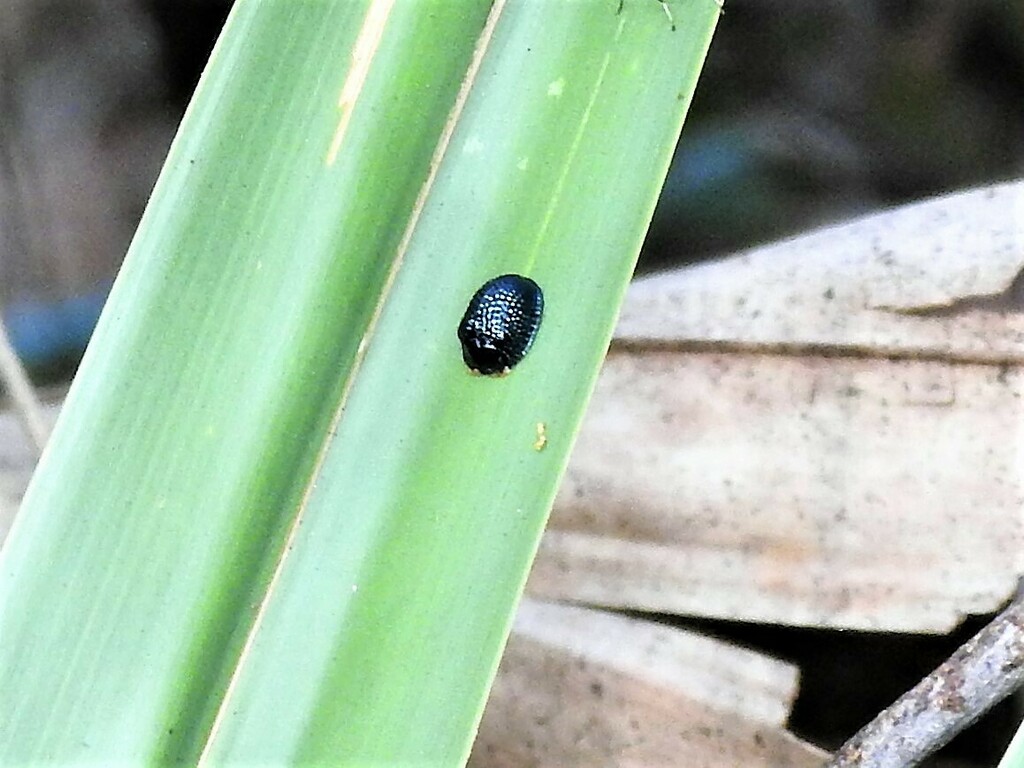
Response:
column 808, row 112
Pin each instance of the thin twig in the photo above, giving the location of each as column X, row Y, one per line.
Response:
column 26, row 404
column 981, row 673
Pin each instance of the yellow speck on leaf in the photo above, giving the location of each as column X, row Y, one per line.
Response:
column 542, row 436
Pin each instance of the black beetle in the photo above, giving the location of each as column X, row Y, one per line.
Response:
column 500, row 324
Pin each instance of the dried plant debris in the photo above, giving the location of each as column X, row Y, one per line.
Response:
column 822, row 432
column 582, row 687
